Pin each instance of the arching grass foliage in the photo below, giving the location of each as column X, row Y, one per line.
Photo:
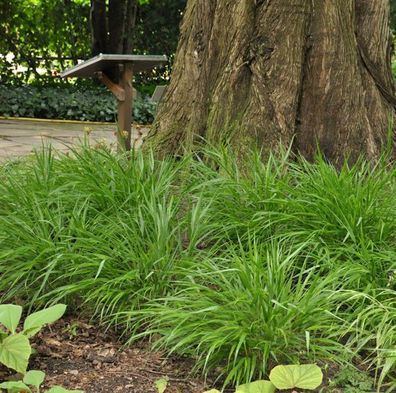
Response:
column 239, row 266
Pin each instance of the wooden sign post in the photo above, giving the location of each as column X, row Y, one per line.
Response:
column 105, row 65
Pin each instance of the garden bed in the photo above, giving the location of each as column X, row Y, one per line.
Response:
column 288, row 263
column 77, row 354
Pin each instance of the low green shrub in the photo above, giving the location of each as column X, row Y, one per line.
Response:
column 68, row 102
column 352, row 380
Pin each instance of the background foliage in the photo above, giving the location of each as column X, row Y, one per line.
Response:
column 39, row 38
column 72, row 102
column 54, row 34
column 393, row 14
column 49, row 34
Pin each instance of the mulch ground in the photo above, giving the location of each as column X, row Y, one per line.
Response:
column 78, row 355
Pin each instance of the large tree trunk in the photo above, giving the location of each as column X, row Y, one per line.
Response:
column 269, row 72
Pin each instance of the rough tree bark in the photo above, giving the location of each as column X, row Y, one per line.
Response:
column 269, row 72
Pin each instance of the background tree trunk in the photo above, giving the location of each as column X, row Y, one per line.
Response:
column 112, row 25
column 130, row 23
column 271, row 72
column 99, row 27
column 112, row 28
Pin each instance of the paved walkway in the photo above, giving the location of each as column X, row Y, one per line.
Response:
column 21, row 137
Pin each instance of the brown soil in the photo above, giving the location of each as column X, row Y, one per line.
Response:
column 77, row 355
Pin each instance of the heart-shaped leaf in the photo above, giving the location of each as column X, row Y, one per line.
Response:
column 260, row 386
column 34, row 322
column 10, row 315
column 15, row 387
column 34, row 378
column 305, row 376
column 15, row 351
column 161, row 384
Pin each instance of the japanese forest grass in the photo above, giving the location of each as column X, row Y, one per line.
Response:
column 240, row 267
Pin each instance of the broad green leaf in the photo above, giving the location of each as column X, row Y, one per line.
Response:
column 212, row 391
column 34, row 322
column 15, row 351
column 15, row 387
column 305, row 376
column 60, row 389
column 260, row 386
column 161, row 384
column 34, row 378
column 10, row 315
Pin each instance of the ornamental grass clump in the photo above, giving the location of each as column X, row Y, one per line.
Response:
column 241, row 266
column 92, row 226
column 254, row 306
column 347, row 214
